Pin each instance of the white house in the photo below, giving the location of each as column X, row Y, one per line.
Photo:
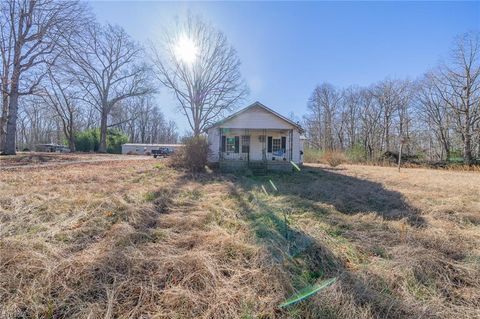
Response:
column 255, row 136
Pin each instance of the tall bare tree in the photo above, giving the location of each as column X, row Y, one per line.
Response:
column 107, row 65
column 458, row 84
column 199, row 66
column 351, row 97
column 61, row 93
column 435, row 112
column 142, row 120
column 386, row 96
column 31, row 31
column 323, row 106
column 371, row 118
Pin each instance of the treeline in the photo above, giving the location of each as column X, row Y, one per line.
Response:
column 63, row 73
column 436, row 118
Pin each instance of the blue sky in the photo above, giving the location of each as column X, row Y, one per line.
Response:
column 286, row 48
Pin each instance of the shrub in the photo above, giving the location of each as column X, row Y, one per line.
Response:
column 311, row 155
column 193, row 156
column 356, row 154
column 115, row 139
column 89, row 140
column 333, row 158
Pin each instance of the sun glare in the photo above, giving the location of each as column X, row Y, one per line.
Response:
column 186, row 50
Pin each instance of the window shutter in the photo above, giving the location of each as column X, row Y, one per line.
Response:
column 284, row 143
column 237, row 144
column 224, row 142
column 269, row 147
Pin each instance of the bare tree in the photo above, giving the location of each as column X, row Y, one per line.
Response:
column 142, row 120
column 405, row 94
column 458, row 84
column 202, row 70
column 62, row 95
column 351, row 98
column 435, row 112
column 323, row 106
column 386, row 97
column 106, row 63
column 371, row 116
column 37, row 123
column 31, row 30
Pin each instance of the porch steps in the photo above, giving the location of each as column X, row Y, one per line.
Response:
column 258, row 168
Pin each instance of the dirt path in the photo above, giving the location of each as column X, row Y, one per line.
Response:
column 90, row 161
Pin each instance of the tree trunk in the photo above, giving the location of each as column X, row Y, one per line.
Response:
column 400, row 156
column 3, row 120
column 103, row 133
column 387, row 137
column 196, row 129
column 71, row 139
column 447, row 153
column 71, row 144
column 478, row 145
column 467, row 149
column 11, row 132
column 3, row 134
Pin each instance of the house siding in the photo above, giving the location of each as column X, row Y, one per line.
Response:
column 296, row 147
column 256, row 118
column 213, row 139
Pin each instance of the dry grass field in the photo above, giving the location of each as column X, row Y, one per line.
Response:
column 23, row 159
column 137, row 239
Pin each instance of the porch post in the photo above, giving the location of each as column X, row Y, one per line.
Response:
column 291, row 145
column 220, row 153
column 264, row 155
column 247, row 133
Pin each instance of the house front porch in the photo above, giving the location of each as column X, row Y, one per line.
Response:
column 257, row 149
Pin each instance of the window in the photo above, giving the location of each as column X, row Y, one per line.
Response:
column 230, row 145
column 276, row 145
column 245, row 144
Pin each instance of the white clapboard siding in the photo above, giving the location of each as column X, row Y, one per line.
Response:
column 213, row 144
column 256, row 118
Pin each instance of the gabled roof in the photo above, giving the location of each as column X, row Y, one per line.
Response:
column 260, row 105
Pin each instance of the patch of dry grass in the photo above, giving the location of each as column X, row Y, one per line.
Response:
column 405, row 244
column 40, row 158
column 138, row 239
column 126, row 239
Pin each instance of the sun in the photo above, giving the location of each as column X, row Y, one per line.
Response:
column 185, row 50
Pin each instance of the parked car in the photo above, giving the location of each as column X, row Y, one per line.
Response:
column 162, row 151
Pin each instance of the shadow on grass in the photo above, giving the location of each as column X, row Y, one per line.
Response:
column 348, row 194
column 307, row 260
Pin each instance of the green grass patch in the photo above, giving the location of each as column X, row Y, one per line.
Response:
column 149, row 196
